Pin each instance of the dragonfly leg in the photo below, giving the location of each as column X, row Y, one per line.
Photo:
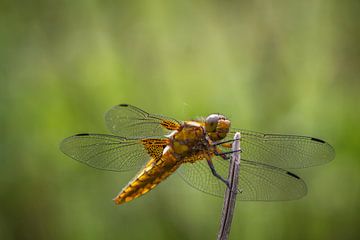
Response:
column 218, row 152
column 227, row 143
column 211, row 165
column 226, row 153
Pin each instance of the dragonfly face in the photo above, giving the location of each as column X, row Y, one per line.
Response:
column 217, row 126
column 198, row 151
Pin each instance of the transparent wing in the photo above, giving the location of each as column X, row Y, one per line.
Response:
column 256, row 181
column 284, row 151
column 130, row 121
column 111, row 152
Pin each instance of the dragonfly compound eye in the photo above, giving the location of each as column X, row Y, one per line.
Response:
column 211, row 122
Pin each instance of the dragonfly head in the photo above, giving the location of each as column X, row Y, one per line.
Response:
column 217, row 126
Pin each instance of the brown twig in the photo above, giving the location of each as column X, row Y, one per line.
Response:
column 230, row 194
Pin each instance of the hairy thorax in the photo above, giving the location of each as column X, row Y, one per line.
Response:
column 189, row 140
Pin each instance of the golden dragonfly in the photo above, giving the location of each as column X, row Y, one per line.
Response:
column 199, row 151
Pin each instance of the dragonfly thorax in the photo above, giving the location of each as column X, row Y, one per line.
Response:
column 189, row 139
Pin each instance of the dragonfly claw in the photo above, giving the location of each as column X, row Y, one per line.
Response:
column 228, row 184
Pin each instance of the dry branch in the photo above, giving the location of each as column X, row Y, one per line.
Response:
column 230, row 194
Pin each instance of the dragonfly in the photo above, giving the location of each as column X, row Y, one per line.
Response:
column 199, row 151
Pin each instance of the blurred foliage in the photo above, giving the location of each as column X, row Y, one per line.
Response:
column 275, row 66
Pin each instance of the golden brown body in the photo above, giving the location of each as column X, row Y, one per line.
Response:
column 187, row 144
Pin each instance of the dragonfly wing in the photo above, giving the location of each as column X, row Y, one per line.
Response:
column 284, row 151
column 199, row 176
column 257, row 182
column 268, row 183
column 112, row 152
column 130, row 121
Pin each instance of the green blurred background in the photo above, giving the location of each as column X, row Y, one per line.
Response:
column 274, row 66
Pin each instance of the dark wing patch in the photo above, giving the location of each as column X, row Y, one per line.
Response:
column 318, row 140
column 293, row 175
column 155, row 147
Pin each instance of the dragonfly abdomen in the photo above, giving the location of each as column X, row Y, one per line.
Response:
column 154, row 172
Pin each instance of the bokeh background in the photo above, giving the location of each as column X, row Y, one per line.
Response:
column 273, row 66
